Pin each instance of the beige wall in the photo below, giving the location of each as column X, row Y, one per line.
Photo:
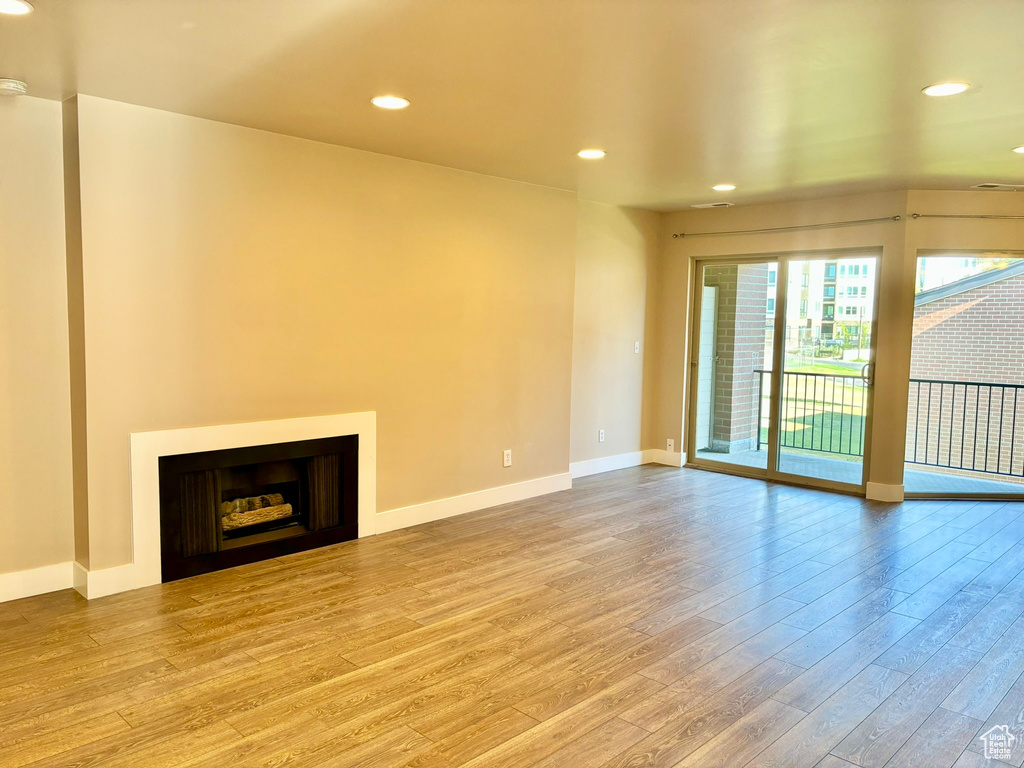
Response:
column 76, row 329
column 965, row 234
column 233, row 275
column 616, row 260
column 35, row 431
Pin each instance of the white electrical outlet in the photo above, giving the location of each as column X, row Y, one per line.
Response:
column 600, row 435
column 670, row 445
column 636, row 347
column 506, row 458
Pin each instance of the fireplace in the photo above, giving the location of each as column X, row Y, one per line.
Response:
column 223, row 508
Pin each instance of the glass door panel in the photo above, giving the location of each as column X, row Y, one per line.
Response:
column 826, row 368
column 734, row 349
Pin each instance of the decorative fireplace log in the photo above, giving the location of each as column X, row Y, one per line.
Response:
column 249, row 503
column 324, row 474
column 237, row 520
column 200, row 496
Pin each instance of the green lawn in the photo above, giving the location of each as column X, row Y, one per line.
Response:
column 820, row 413
column 832, row 431
column 823, row 366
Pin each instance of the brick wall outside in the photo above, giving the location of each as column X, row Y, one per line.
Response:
column 977, row 337
column 740, row 343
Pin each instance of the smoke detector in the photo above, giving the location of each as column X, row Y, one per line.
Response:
column 1002, row 187
column 713, row 205
column 9, row 87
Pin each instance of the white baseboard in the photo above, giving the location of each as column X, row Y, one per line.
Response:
column 108, row 581
column 81, row 580
column 103, row 582
column 668, row 458
column 403, row 517
column 606, row 464
column 884, row 492
column 623, row 460
column 35, row 581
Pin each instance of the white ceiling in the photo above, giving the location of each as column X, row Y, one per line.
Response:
column 785, row 98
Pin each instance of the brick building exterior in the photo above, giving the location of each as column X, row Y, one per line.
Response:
column 972, row 330
column 739, row 350
column 964, row 410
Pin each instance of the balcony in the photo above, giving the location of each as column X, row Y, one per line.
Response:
column 965, row 437
column 962, row 437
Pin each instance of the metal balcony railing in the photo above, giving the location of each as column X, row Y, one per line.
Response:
column 960, row 425
column 821, row 412
column 966, row 425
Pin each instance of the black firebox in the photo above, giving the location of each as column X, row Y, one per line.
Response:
column 219, row 509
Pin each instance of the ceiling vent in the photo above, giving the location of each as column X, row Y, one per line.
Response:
column 1002, row 187
column 713, row 205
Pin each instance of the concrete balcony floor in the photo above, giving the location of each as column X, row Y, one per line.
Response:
column 846, row 470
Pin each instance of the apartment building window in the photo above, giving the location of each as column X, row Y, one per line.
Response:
column 830, row 291
column 771, row 305
column 830, row 271
column 863, row 290
column 805, row 280
column 803, row 307
column 829, row 312
column 771, row 277
column 842, row 269
column 851, row 291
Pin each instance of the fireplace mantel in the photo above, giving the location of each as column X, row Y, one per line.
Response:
column 148, row 447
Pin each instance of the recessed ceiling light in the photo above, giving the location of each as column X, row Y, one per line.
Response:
column 10, row 87
column 390, row 102
column 946, row 89
column 724, row 187
column 591, row 154
column 1019, row 150
column 15, row 7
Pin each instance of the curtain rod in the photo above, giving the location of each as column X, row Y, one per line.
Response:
column 827, row 225
column 962, row 216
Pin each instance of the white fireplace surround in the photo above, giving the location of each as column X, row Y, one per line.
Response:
column 148, row 447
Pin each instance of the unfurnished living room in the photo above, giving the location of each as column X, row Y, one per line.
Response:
column 512, row 383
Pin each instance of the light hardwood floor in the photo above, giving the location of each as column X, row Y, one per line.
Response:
column 650, row 616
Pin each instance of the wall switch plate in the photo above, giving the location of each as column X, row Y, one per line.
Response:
column 670, row 445
column 506, row 458
column 636, row 347
column 600, row 435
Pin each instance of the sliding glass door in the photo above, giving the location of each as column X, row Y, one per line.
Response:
column 735, row 319
column 782, row 368
column 826, row 368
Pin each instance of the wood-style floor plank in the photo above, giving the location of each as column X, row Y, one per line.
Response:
column 884, row 732
column 807, row 742
column 938, row 743
column 648, row 617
